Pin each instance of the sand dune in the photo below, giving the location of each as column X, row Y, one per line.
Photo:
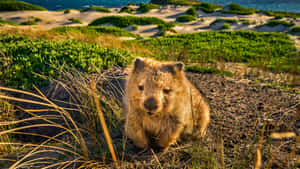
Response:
column 51, row 19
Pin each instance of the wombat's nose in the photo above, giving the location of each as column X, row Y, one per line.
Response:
column 150, row 104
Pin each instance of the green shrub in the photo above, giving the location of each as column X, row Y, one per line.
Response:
column 38, row 19
column 30, row 22
column 237, row 9
column 231, row 21
column 208, row 7
column 13, row 5
column 30, row 56
column 144, row 8
column 192, row 11
column 282, row 14
column 116, row 31
column 245, row 21
column 200, row 69
column 96, row 8
column 181, row 2
column 186, row 18
column 167, row 27
column 125, row 21
column 226, row 26
column 131, row 4
column 256, row 48
column 3, row 22
column 75, row 20
column 67, row 11
column 273, row 23
column 134, row 27
column 295, row 29
column 127, row 9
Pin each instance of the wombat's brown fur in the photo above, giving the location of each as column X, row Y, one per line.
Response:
column 161, row 104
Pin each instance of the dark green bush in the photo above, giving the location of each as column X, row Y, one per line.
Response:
column 273, row 23
column 131, row 4
column 282, row 14
column 116, row 31
column 96, row 8
column 208, row 7
column 186, row 18
column 226, row 26
column 167, row 27
column 238, row 9
column 192, row 11
column 124, row 21
column 182, row 2
column 127, row 9
column 3, row 22
column 75, row 20
column 13, row 5
column 144, row 8
column 67, row 11
column 295, row 29
column 29, row 56
column 231, row 21
column 30, row 22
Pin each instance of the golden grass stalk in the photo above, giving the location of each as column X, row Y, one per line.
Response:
column 103, row 124
column 257, row 164
column 156, row 159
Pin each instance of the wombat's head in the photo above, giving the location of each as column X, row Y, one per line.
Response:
column 154, row 86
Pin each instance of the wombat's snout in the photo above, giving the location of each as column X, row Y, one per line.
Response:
column 151, row 104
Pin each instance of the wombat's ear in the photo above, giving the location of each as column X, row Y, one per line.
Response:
column 139, row 64
column 179, row 66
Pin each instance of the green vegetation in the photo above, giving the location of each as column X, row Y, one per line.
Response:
column 134, row 27
column 131, row 4
column 76, row 20
column 237, row 9
column 13, row 5
column 183, row 2
column 245, row 21
column 127, row 9
column 186, row 18
column 282, row 14
column 167, row 27
column 231, row 21
column 226, row 26
column 30, row 56
column 200, row 69
column 125, row 21
column 37, row 19
column 29, row 22
column 273, row 23
column 67, row 11
column 192, row 11
column 144, row 8
column 96, row 8
column 208, row 7
column 116, row 31
column 3, row 22
column 295, row 29
column 275, row 51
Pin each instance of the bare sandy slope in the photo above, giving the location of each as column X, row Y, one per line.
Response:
column 169, row 13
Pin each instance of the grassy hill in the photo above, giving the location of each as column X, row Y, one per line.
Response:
column 14, row 5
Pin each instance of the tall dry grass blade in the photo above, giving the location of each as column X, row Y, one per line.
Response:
column 257, row 164
column 156, row 159
column 64, row 112
column 103, row 123
column 283, row 135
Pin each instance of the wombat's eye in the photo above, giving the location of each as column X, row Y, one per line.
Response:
column 167, row 91
column 141, row 88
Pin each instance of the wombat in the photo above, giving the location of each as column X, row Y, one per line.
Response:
column 161, row 105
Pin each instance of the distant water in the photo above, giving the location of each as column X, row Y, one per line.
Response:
column 276, row 5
